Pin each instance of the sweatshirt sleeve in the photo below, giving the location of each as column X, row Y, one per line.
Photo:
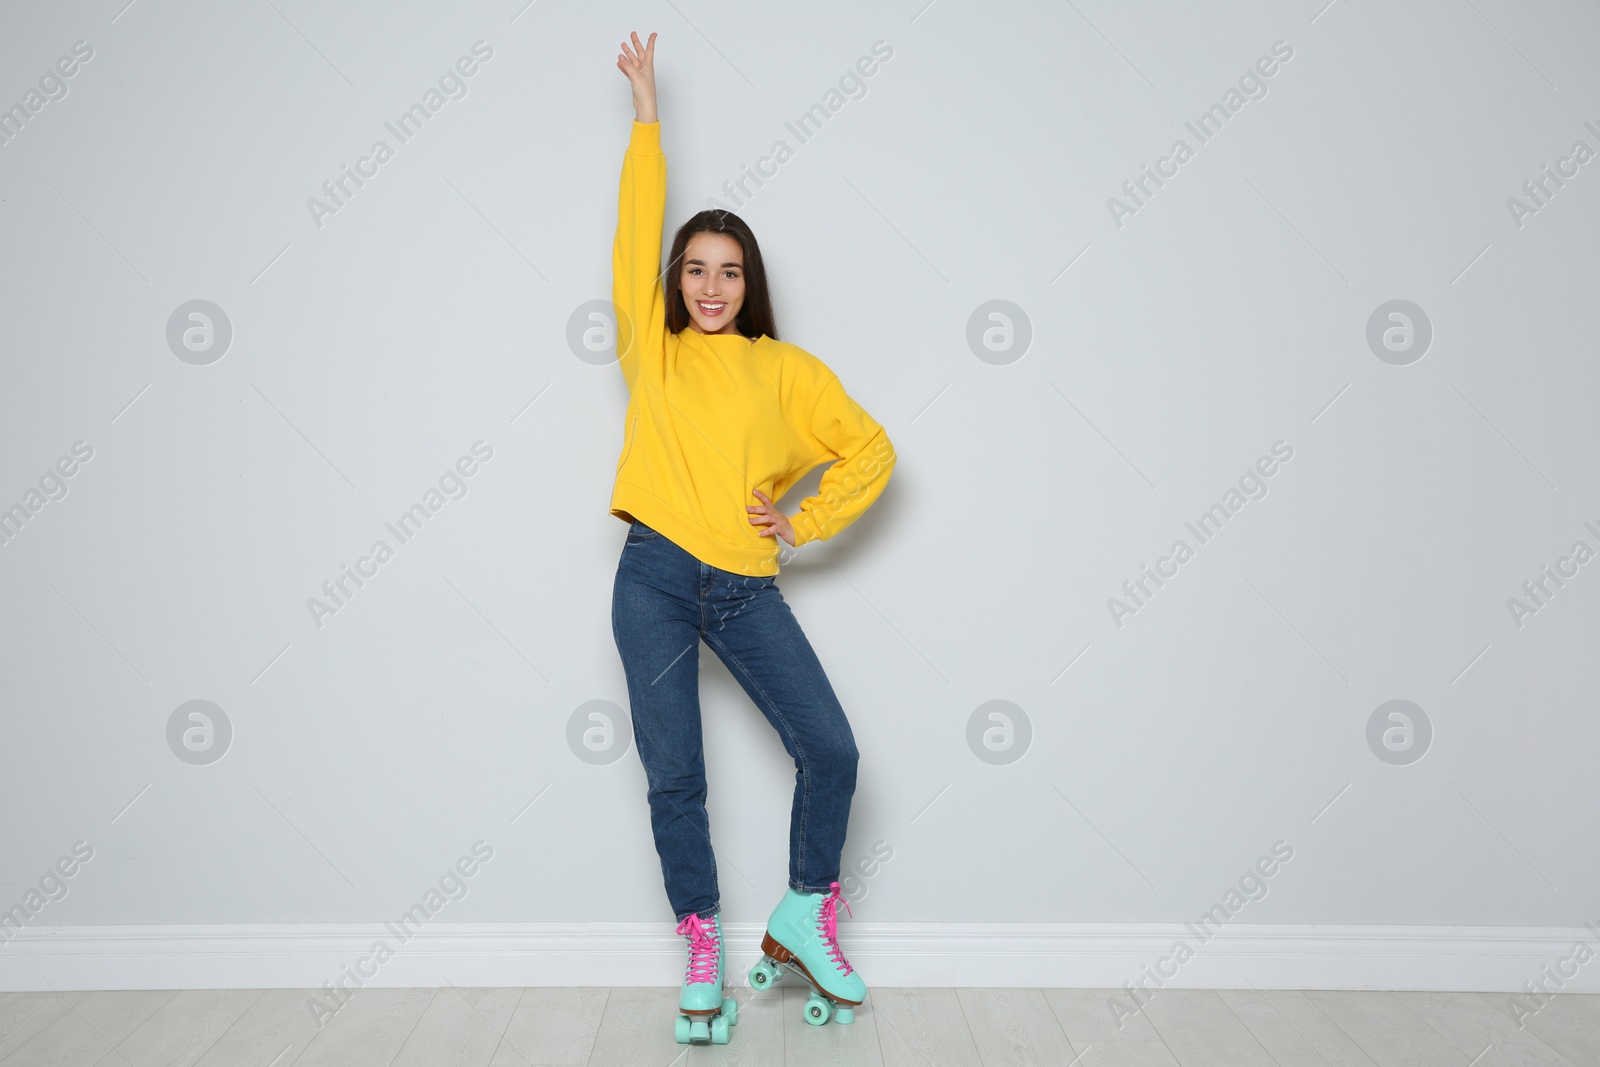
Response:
column 636, row 288
column 841, row 430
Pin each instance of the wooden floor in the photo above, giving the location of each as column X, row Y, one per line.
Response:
column 457, row 1027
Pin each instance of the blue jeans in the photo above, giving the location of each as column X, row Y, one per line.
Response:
column 664, row 603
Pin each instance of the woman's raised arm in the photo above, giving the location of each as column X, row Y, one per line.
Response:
column 636, row 287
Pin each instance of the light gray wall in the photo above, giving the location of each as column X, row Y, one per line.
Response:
column 1170, row 349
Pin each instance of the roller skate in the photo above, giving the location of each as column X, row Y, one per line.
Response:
column 704, row 1013
column 802, row 936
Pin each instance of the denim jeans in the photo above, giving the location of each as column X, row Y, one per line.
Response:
column 664, row 603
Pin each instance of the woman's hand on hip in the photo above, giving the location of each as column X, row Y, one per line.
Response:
column 778, row 522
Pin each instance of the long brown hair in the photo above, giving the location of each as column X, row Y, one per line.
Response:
column 755, row 314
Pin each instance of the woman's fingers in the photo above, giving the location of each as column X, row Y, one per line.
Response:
column 641, row 53
column 639, row 59
column 645, row 55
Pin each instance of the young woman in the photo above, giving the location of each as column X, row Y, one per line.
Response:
column 720, row 411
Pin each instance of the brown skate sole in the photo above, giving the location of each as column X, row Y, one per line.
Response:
column 789, row 959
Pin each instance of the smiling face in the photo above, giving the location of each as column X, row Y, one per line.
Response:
column 713, row 282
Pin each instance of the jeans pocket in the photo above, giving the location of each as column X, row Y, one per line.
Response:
column 639, row 533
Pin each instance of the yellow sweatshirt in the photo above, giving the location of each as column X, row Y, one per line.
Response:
column 712, row 416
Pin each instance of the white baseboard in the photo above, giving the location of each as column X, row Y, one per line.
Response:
column 1493, row 959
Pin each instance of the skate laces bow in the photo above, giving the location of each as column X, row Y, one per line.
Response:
column 702, row 935
column 828, row 926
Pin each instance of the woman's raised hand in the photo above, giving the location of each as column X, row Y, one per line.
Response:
column 639, row 64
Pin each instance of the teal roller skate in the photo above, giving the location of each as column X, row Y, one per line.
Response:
column 704, row 1013
column 802, row 936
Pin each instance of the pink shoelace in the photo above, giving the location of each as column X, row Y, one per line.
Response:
column 702, row 935
column 828, row 927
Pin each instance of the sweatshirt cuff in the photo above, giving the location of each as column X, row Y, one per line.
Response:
column 646, row 138
column 803, row 530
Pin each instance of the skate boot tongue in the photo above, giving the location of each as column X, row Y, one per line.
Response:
column 703, row 938
column 828, row 927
